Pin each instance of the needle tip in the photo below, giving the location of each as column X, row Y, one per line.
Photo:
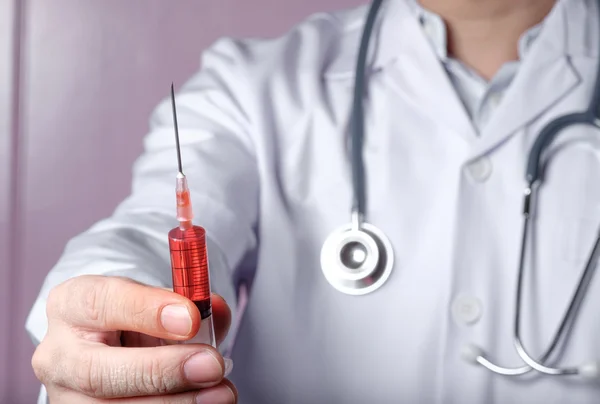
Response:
column 176, row 130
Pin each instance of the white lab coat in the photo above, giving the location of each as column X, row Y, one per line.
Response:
column 264, row 128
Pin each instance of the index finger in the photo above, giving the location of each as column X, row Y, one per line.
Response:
column 104, row 303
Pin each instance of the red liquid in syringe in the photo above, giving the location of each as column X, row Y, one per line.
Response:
column 189, row 264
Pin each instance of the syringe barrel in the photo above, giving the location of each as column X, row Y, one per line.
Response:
column 189, row 266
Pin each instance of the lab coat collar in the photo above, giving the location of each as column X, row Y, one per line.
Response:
column 398, row 19
column 548, row 74
column 383, row 49
column 412, row 68
column 436, row 31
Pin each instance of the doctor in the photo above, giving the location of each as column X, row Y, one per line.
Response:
column 455, row 95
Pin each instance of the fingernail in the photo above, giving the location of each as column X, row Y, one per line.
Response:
column 203, row 367
column 176, row 319
column 228, row 366
column 218, row 395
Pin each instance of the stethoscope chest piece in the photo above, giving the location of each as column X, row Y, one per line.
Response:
column 357, row 260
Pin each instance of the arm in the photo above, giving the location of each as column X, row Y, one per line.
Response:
column 218, row 158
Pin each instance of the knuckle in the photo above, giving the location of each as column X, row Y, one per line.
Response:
column 48, row 364
column 95, row 300
column 104, row 301
column 74, row 293
column 140, row 312
column 157, row 378
column 41, row 362
column 87, row 379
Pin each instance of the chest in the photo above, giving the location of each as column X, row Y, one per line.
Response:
column 450, row 204
column 423, row 173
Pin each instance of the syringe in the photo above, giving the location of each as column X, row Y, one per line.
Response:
column 189, row 256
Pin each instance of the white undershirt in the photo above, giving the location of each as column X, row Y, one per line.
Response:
column 479, row 96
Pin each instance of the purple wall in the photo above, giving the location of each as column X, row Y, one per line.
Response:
column 6, row 36
column 90, row 73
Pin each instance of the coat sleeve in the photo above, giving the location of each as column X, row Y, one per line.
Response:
column 218, row 156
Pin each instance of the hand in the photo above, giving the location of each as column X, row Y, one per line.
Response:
column 106, row 344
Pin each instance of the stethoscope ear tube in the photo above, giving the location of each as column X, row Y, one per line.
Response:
column 357, row 124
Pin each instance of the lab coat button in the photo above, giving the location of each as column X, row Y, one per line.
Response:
column 480, row 169
column 466, row 310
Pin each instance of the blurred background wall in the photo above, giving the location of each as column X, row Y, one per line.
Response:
column 78, row 80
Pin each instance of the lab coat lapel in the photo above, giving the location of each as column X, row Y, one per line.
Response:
column 408, row 64
column 411, row 68
column 535, row 90
column 419, row 76
column 546, row 76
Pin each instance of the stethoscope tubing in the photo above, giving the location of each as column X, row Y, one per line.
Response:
column 533, row 178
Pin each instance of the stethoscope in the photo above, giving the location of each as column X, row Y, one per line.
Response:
column 358, row 258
